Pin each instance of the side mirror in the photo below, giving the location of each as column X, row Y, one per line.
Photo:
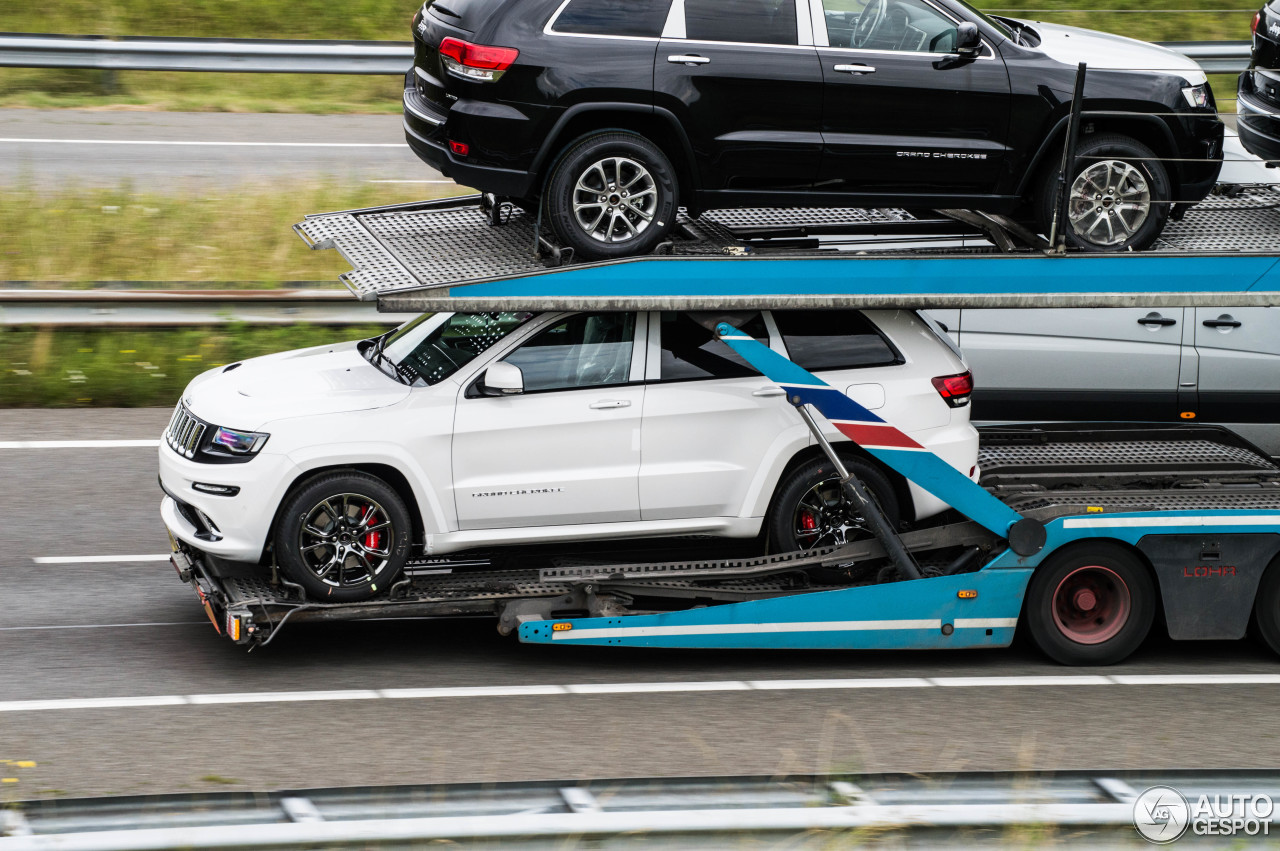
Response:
column 968, row 42
column 502, row 379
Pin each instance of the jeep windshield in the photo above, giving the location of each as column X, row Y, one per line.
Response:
column 429, row 349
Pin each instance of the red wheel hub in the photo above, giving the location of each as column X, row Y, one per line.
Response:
column 1091, row 604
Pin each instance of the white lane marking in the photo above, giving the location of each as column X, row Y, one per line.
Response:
column 1052, row 680
column 79, row 444
column 100, row 625
column 98, row 559
column 745, row 628
column 281, row 696
column 1193, row 520
column 193, row 143
column 1030, row 681
column 868, row 682
column 638, row 688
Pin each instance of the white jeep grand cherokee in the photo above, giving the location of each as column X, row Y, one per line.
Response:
column 466, row 430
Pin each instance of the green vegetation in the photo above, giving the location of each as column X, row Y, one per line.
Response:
column 133, row 367
column 120, row 235
column 388, row 20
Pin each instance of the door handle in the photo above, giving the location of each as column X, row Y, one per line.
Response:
column 1222, row 322
column 687, row 59
column 611, row 403
column 855, row 69
column 772, row 390
column 1153, row 319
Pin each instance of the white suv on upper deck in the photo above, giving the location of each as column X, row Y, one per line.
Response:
column 476, row 430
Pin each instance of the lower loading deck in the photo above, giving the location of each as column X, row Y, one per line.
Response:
column 1204, row 482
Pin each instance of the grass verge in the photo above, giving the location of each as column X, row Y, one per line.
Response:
column 119, row 235
column 131, row 367
column 1177, row 20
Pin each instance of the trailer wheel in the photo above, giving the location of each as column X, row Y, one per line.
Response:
column 1266, row 609
column 343, row 537
column 812, row 511
column 1091, row 605
column 612, row 195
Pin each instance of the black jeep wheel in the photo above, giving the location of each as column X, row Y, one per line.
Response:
column 1118, row 195
column 343, row 537
column 612, row 195
column 811, row 510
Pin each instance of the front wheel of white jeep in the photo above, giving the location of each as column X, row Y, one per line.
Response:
column 343, row 537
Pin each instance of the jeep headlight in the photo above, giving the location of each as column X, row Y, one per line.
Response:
column 1197, row 97
column 236, row 442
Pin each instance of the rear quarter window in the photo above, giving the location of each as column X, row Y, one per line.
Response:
column 833, row 339
column 635, row 18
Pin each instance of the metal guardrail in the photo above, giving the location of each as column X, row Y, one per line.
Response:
column 332, row 57
column 205, row 54
column 1081, row 809
column 177, row 307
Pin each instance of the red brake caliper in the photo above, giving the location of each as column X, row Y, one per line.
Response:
column 808, row 521
column 372, row 540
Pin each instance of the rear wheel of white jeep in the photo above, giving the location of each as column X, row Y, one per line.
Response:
column 343, row 537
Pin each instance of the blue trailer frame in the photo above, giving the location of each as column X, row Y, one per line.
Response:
column 979, row 609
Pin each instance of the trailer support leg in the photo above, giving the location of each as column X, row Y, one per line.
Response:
column 857, row 494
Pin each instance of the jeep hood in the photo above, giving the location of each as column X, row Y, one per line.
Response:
column 1103, row 51
column 308, row 382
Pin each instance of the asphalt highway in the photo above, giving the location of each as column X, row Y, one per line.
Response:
column 185, row 152
column 112, row 681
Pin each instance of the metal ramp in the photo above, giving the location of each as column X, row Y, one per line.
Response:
column 462, row 254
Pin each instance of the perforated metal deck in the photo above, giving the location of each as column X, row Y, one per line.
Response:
column 431, row 247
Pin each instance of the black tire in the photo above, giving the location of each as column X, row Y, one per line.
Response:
column 1092, row 604
column 310, row 537
column 1104, row 222
column 1266, row 608
column 813, row 490
column 614, row 223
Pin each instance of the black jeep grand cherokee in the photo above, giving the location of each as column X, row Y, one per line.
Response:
column 613, row 113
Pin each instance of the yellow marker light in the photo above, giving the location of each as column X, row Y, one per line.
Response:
column 1094, row 509
column 562, row 627
column 967, row 594
column 233, row 628
column 1188, row 415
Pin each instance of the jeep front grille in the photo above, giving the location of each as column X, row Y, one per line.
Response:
column 185, row 431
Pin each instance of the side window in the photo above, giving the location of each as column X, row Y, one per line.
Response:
column 691, row 351
column 911, row 25
column 833, row 339
column 639, row 18
column 749, row 21
column 586, row 350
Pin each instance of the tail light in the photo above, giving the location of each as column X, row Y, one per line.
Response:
column 955, row 389
column 477, row 62
column 1257, row 19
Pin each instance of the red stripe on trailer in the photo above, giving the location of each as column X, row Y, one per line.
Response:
column 877, row 434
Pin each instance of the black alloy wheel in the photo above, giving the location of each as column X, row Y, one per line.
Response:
column 812, row 511
column 343, row 537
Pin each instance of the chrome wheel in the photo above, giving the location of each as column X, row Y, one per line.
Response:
column 1109, row 202
column 615, row 200
column 824, row 517
column 346, row 540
